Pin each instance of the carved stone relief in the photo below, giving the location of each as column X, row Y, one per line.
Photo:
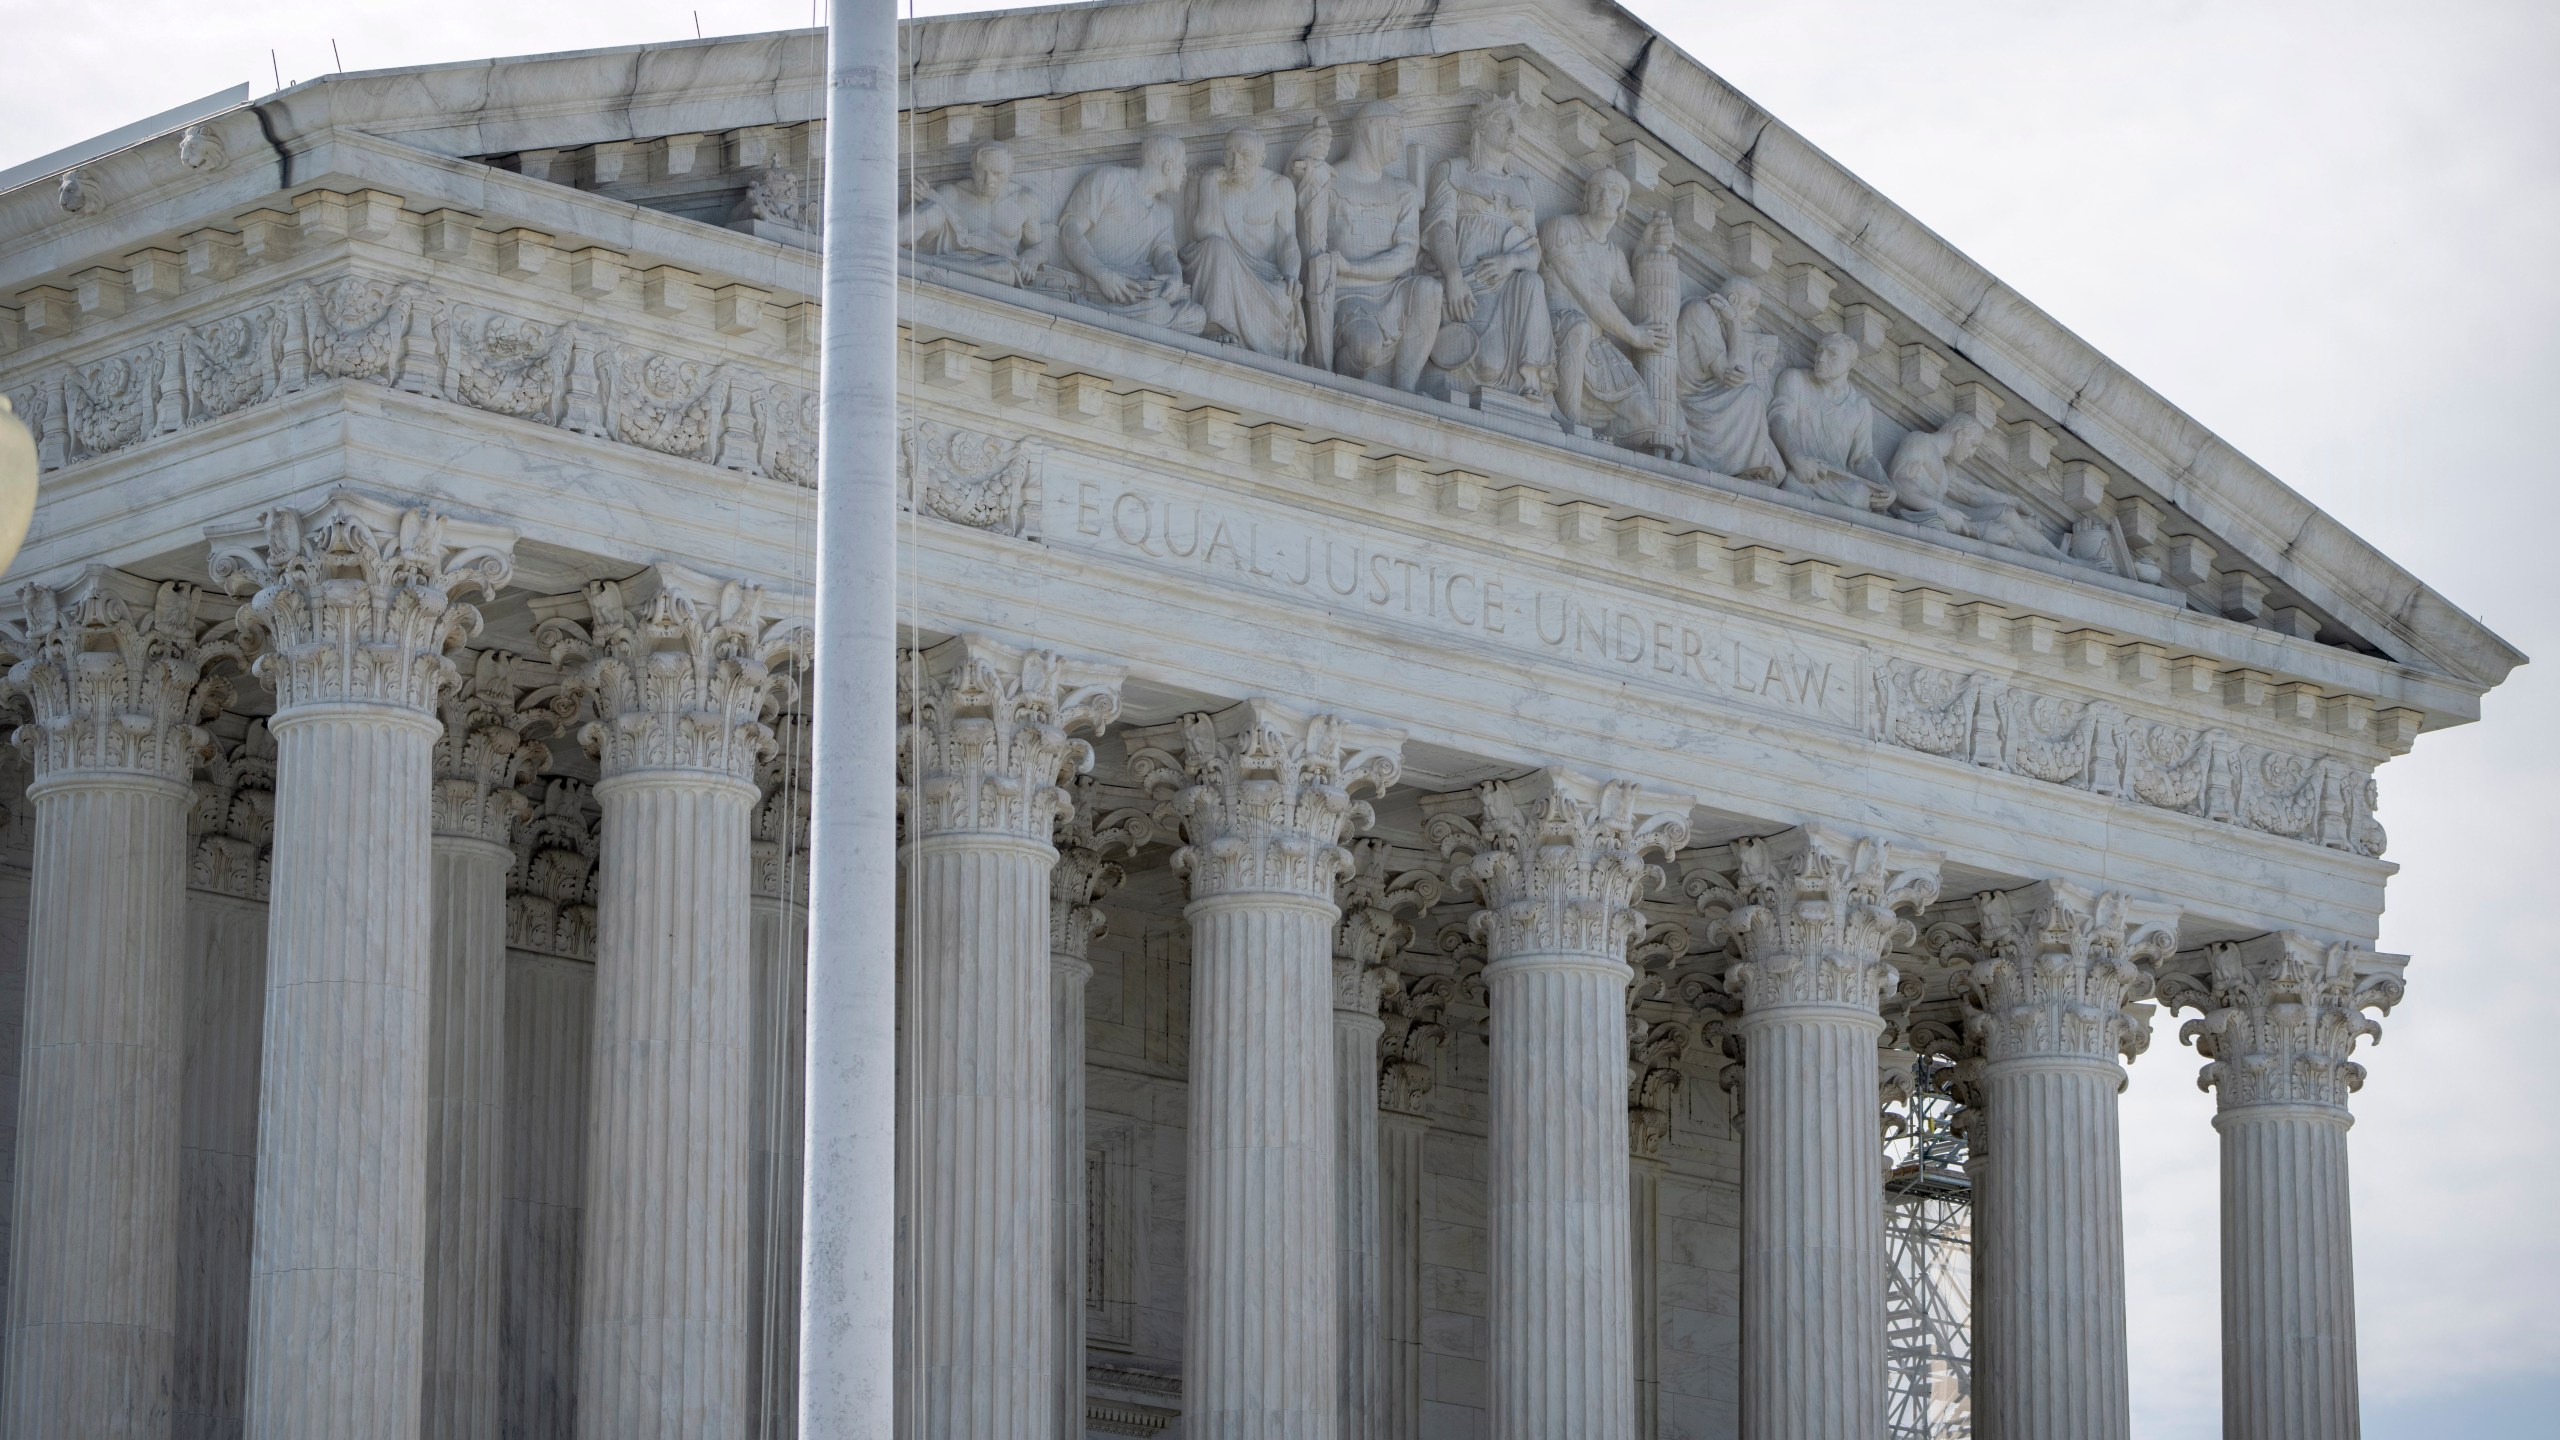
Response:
column 970, row 479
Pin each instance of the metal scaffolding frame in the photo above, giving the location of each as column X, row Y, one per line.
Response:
column 1928, row 1219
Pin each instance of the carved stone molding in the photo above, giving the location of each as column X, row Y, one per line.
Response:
column 1261, row 795
column 551, row 891
column 987, row 748
column 1557, row 859
column 969, row 478
column 2280, row 1015
column 355, row 602
column 1654, row 1050
column 2096, row 746
column 234, row 825
column 112, row 669
column 1372, row 931
column 683, row 671
column 1812, row 913
column 1088, row 836
column 2059, row 970
column 487, row 750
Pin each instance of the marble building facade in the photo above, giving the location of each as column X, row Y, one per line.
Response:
column 1501, row 654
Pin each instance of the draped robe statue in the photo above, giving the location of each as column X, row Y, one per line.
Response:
column 1930, row 488
column 1590, row 287
column 1726, row 371
column 1116, row 233
column 1480, row 233
column 988, row 227
column 1374, row 316
column 1243, row 258
column 1825, row 429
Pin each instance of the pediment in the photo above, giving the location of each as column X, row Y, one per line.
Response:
column 2073, row 458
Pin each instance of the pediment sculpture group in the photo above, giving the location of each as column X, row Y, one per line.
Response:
column 1461, row 291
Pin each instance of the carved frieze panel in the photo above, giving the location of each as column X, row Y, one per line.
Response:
column 969, row 478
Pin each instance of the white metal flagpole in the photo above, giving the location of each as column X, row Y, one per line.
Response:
column 848, row 1254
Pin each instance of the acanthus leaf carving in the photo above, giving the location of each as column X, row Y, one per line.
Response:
column 1811, row 915
column 990, row 744
column 1558, row 860
column 682, row 672
column 1410, row 1046
column 778, row 831
column 2060, row 970
column 233, row 828
column 1089, row 834
column 1374, row 899
column 1263, row 795
column 551, row 891
column 2279, row 1016
column 114, row 673
column 355, row 601
column 488, row 748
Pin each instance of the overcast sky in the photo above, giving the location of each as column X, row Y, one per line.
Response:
column 2330, row 231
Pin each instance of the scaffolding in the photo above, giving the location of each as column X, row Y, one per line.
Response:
column 1928, row 1219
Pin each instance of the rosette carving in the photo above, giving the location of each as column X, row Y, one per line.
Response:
column 988, row 746
column 112, row 671
column 684, row 672
column 1558, row 860
column 1373, row 930
column 355, row 602
column 1262, row 795
column 2059, row 970
column 1812, row 913
column 1088, row 837
column 2279, row 1017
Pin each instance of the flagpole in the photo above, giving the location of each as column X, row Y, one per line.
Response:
column 850, row 1202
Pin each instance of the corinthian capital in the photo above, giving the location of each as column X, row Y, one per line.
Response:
column 988, row 746
column 1262, row 795
column 355, row 602
column 1811, row 914
column 1558, row 859
column 2060, row 969
column 1409, row 1048
column 1373, row 932
column 683, row 671
column 779, row 831
column 2280, row 1015
column 487, row 750
column 1088, row 837
column 1653, row 1082
column 113, row 670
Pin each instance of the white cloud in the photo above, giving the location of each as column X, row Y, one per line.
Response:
column 2330, row 231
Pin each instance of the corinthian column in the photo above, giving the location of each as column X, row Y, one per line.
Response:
column 113, row 672
column 2050, row 1006
column 1371, row 934
column 1558, row 861
column 1408, row 1071
column 1810, row 915
column 682, row 673
column 355, row 607
column 1263, row 797
column 981, row 760
column 480, row 758
column 2281, row 1014
column 1083, row 876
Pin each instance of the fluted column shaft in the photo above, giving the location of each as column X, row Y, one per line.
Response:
column 1400, row 1138
column 1812, row 1226
column 2049, row 1339
column 337, row 1270
column 778, row 1045
column 1260, row 1354
column 979, row 1221
column 1644, row 1269
column 2281, row 1016
column 1068, row 975
column 2051, row 1012
column 93, row 1263
column 1263, row 797
column 1356, row 1029
column 466, row 1136
column 1561, row 1358
column 2288, row 1275
column 662, row 1347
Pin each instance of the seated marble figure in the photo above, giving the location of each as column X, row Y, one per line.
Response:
column 1726, row 371
column 1824, row 428
column 1243, row 259
column 1480, row 240
column 1116, row 234
column 988, row 226
column 1369, row 313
